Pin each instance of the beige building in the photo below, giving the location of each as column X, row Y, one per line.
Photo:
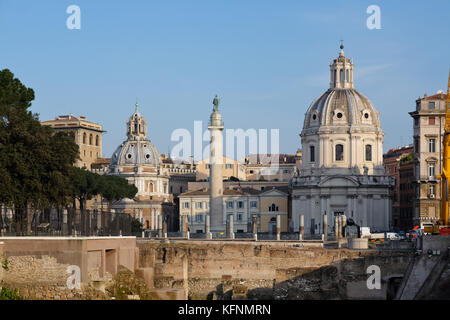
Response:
column 138, row 160
column 180, row 172
column 230, row 168
column 428, row 124
column 272, row 167
column 87, row 134
column 243, row 204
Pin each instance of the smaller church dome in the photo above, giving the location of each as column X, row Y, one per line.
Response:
column 137, row 149
column 136, row 152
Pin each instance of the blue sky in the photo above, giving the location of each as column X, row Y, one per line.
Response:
column 268, row 60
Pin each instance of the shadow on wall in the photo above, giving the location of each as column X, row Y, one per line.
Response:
column 334, row 282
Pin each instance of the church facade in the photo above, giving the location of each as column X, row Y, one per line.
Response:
column 342, row 169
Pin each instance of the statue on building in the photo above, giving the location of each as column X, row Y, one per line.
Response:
column 216, row 102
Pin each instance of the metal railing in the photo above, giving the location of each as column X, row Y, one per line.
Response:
column 66, row 222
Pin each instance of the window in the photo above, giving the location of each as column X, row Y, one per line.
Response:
column 341, row 75
column 286, row 171
column 229, row 204
column 84, row 138
column 198, row 205
column 228, row 166
column 368, row 152
column 253, row 204
column 251, row 171
column 339, row 152
column 90, row 139
column 273, row 207
column 432, row 145
column 181, row 189
column 96, row 140
column 431, row 170
column 240, row 204
column 431, row 121
column 431, row 189
column 346, row 76
column 239, row 216
column 431, row 105
column 312, row 154
column 207, row 166
column 186, row 205
column 198, row 218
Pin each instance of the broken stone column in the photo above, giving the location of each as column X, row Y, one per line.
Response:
column 231, row 226
column 325, row 226
column 160, row 231
column 164, row 226
column 302, row 227
column 255, row 227
column 208, row 227
column 343, row 223
column 336, row 227
column 185, row 227
column 64, row 226
column 278, row 227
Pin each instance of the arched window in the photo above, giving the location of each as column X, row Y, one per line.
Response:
column 84, row 138
column 368, row 152
column 346, row 76
column 96, row 140
column 90, row 139
column 339, row 152
column 312, row 154
column 341, row 75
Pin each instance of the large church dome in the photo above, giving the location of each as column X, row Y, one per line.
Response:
column 341, row 130
column 137, row 149
column 341, row 105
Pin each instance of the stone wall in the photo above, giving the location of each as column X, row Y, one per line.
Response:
column 37, row 266
column 268, row 270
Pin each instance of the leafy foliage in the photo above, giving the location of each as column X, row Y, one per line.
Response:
column 8, row 294
column 36, row 162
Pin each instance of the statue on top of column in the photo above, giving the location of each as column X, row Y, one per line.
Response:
column 216, row 102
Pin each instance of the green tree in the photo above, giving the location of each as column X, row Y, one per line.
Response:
column 35, row 162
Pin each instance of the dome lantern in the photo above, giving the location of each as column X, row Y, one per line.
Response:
column 136, row 126
column 341, row 72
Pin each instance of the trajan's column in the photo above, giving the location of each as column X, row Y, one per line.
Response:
column 215, row 179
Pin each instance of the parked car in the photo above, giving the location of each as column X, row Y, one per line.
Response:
column 392, row 236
